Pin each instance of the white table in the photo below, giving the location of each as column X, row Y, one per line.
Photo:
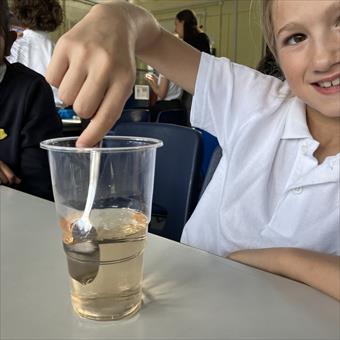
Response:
column 188, row 293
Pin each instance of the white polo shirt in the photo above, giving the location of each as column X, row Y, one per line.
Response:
column 34, row 50
column 268, row 189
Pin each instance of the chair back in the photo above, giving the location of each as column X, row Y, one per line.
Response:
column 209, row 143
column 173, row 116
column 176, row 186
column 135, row 115
column 214, row 161
column 186, row 101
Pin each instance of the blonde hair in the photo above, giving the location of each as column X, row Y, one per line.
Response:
column 268, row 25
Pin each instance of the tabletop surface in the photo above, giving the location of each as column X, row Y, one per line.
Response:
column 187, row 293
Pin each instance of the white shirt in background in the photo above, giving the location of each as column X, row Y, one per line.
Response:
column 174, row 91
column 268, row 189
column 34, row 50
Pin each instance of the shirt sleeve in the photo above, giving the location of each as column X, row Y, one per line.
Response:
column 40, row 122
column 227, row 96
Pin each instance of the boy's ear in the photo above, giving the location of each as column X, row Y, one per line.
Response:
column 12, row 36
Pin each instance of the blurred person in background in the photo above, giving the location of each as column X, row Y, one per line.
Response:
column 268, row 65
column 186, row 26
column 168, row 94
column 34, row 48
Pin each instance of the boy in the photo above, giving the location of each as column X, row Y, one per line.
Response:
column 273, row 202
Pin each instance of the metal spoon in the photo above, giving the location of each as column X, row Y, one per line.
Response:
column 82, row 229
column 83, row 253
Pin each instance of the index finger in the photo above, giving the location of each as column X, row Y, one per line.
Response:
column 107, row 114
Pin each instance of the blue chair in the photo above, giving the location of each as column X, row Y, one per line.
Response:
column 134, row 115
column 214, row 161
column 176, row 187
column 133, row 103
column 173, row 116
column 186, row 101
column 209, row 142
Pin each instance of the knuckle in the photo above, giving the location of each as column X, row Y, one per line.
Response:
column 104, row 58
column 82, row 110
column 65, row 42
column 64, row 97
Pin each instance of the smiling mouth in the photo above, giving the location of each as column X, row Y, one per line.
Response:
column 328, row 84
column 328, row 87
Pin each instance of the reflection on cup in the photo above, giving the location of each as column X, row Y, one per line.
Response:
column 105, row 272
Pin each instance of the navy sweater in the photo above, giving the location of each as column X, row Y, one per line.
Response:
column 28, row 116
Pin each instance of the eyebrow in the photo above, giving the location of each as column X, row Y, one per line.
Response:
column 289, row 27
column 293, row 25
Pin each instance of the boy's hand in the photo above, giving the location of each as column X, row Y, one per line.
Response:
column 7, row 176
column 93, row 66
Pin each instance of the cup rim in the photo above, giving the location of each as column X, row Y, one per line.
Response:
column 150, row 143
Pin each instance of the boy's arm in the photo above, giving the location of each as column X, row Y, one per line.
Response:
column 174, row 59
column 318, row 270
column 94, row 63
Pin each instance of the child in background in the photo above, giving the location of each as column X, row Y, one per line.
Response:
column 168, row 94
column 276, row 188
column 186, row 26
column 34, row 48
column 268, row 65
column 27, row 116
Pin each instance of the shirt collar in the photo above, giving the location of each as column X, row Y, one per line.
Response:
column 29, row 32
column 296, row 123
column 3, row 68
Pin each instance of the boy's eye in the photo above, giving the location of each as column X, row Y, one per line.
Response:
column 295, row 39
column 337, row 22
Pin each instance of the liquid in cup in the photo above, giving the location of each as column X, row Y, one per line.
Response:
column 106, row 267
column 112, row 289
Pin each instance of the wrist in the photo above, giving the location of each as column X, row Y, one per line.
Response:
column 117, row 16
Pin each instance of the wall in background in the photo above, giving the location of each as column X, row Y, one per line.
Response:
column 232, row 26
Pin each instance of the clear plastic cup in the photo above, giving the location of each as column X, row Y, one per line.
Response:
column 105, row 266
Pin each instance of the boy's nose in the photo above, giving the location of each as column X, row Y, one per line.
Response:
column 326, row 53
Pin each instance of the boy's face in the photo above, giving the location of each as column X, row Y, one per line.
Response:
column 308, row 47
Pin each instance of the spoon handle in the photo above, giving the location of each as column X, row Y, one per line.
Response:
column 94, row 174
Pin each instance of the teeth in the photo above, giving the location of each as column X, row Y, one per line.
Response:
column 327, row 84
